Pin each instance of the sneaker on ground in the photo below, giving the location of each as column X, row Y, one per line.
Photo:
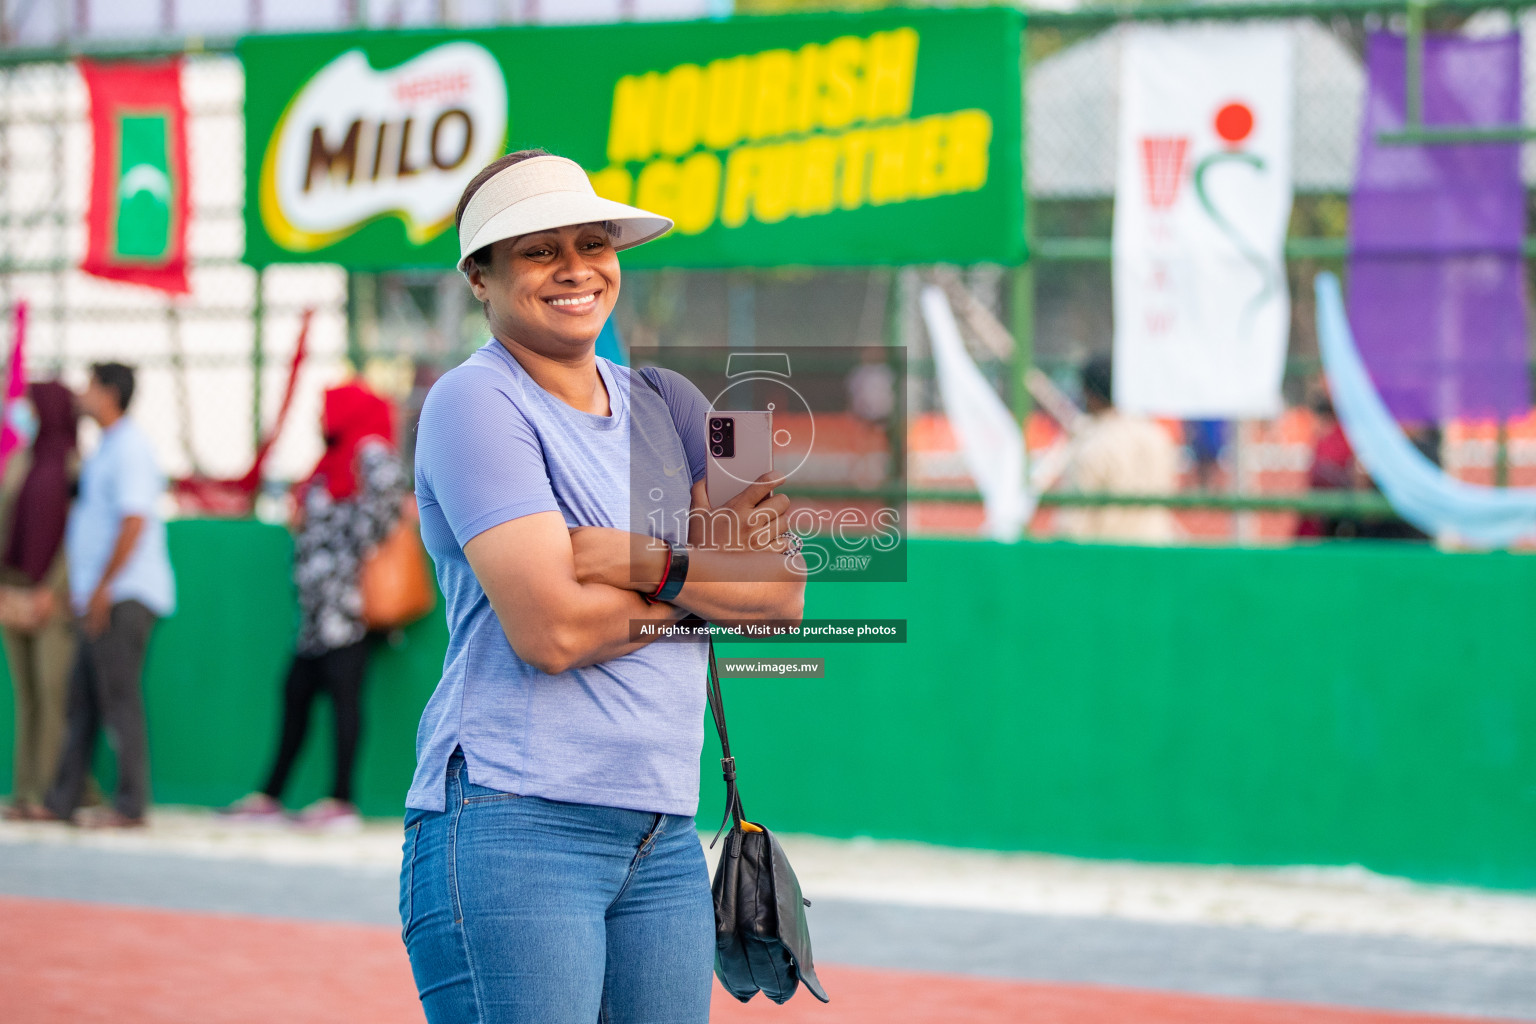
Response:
column 330, row 815
column 257, row 807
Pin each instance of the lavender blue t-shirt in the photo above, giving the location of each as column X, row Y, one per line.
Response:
column 492, row 446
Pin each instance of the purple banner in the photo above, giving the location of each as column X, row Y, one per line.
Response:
column 1436, row 275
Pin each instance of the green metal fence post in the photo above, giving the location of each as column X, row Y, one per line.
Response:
column 1500, row 455
column 258, row 355
column 1413, row 68
column 1022, row 297
column 360, row 295
column 1022, row 303
column 896, row 426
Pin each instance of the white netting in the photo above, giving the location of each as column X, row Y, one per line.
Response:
column 194, row 354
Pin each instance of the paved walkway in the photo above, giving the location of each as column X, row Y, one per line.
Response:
column 206, row 922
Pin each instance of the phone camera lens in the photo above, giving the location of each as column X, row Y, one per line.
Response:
column 716, row 424
column 717, row 436
column 718, row 450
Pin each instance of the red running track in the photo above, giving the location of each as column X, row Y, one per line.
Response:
column 81, row 963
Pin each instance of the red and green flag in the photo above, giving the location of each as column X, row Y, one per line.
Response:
column 139, row 178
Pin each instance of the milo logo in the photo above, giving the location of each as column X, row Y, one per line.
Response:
column 357, row 144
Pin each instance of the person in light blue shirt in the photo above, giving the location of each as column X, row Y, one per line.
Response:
column 120, row 585
column 552, row 872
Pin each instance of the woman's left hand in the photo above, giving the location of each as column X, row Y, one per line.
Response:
column 616, row 558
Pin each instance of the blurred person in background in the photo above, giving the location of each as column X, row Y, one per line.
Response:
column 120, row 584
column 39, row 642
column 1335, row 468
column 871, row 387
column 1205, row 439
column 344, row 509
column 1118, row 454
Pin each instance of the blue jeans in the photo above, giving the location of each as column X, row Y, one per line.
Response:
column 518, row 909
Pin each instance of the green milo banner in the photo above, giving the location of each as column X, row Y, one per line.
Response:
column 888, row 137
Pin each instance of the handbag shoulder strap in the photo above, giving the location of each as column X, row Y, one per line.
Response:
column 734, row 815
column 733, row 812
column 645, row 374
column 649, row 381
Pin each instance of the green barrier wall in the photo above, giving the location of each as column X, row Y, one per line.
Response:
column 213, row 682
column 1341, row 704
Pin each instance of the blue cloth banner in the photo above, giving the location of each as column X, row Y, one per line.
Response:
column 1419, row 491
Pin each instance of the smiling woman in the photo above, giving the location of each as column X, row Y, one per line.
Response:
column 551, row 870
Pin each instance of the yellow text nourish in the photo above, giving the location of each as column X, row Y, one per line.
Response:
column 787, row 133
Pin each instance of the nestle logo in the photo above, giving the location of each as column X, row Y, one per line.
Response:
column 442, row 85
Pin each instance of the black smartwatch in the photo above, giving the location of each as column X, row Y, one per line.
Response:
column 677, row 574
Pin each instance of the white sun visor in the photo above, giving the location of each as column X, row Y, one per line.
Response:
column 545, row 192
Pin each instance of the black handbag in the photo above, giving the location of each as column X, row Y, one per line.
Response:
column 762, row 941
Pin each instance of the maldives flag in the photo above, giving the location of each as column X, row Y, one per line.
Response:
column 139, row 187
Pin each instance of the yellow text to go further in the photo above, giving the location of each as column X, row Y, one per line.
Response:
column 922, row 158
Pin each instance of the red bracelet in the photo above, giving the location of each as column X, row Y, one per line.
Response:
column 665, row 569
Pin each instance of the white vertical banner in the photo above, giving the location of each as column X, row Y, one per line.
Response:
column 1202, row 201
column 991, row 440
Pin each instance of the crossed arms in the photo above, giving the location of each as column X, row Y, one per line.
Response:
column 565, row 598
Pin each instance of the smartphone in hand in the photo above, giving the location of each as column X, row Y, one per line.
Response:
column 740, row 449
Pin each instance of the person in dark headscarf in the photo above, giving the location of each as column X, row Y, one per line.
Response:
column 39, row 645
column 345, row 508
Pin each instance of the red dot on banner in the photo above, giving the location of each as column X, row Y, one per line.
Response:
column 1234, row 122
